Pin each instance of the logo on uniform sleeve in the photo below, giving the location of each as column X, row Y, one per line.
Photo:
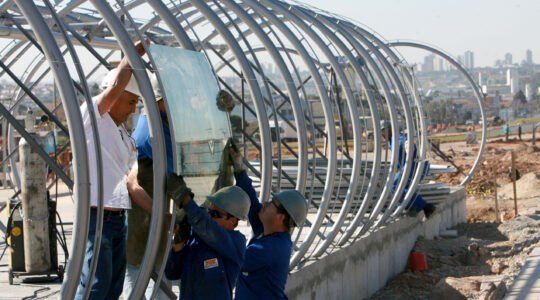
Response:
column 211, row 263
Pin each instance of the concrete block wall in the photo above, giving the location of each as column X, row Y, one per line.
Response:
column 358, row 270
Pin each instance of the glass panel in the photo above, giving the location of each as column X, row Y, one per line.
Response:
column 199, row 129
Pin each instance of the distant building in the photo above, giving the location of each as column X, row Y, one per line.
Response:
column 427, row 66
column 469, row 60
column 509, row 76
column 528, row 57
column 528, row 91
column 508, row 59
column 439, row 64
column 496, row 89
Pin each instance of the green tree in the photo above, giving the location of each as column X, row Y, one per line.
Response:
column 467, row 115
column 520, row 97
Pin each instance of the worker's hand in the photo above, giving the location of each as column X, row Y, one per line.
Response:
column 178, row 190
column 140, row 48
column 178, row 247
column 224, row 101
column 182, row 231
column 235, row 156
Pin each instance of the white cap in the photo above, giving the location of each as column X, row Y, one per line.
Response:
column 131, row 87
column 155, row 86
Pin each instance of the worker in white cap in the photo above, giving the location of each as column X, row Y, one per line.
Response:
column 112, row 106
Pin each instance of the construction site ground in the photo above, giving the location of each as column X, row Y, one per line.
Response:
column 482, row 260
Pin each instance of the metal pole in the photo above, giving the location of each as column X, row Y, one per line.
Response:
column 37, row 256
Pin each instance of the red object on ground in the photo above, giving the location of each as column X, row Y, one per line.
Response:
column 417, row 261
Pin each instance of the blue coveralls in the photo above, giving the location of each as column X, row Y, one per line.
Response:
column 265, row 270
column 416, row 200
column 141, row 135
column 210, row 261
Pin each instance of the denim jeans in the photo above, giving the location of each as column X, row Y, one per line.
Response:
column 111, row 267
column 131, row 277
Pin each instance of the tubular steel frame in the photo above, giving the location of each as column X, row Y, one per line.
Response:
column 333, row 73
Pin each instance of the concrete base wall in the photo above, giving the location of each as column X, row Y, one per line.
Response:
column 358, row 270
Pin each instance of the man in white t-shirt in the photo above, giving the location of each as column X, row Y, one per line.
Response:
column 112, row 107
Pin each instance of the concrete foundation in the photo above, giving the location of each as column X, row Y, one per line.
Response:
column 358, row 270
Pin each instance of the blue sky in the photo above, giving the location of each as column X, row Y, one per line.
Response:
column 489, row 28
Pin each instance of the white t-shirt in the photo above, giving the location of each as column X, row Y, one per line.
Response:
column 118, row 154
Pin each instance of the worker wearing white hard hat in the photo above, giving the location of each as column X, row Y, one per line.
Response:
column 112, row 107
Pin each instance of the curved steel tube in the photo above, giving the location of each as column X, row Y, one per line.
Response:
column 474, row 86
column 80, row 154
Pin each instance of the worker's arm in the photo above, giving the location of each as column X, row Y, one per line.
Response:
column 216, row 237
column 173, row 267
column 137, row 193
column 115, row 89
column 245, row 183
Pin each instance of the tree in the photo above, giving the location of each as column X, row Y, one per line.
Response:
column 467, row 115
column 520, row 97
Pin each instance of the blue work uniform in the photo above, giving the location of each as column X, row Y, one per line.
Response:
column 210, row 261
column 416, row 200
column 141, row 135
column 266, row 266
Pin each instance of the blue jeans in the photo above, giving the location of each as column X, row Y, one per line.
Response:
column 111, row 267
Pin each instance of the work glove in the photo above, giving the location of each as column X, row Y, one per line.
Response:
column 177, row 189
column 225, row 174
column 235, row 157
column 224, row 101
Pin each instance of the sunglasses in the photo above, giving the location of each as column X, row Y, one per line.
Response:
column 280, row 208
column 217, row 214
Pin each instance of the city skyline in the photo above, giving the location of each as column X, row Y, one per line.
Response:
column 490, row 29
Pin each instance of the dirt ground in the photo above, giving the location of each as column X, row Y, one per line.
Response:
column 482, row 261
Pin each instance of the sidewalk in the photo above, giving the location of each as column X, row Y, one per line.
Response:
column 527, row 283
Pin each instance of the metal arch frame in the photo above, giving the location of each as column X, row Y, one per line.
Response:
column 302, row 169
column 266, row 170
column 304, row 247
column 351, row 102
column 395, row 137
column 67, row 91
column 474, row 86
column 360, row 32
column 97, row 149
column 283, row 29
column 293, row 94
column 357, row 137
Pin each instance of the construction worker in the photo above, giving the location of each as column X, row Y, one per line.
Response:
column 266, row 267
column 112, row 107
column 416, row 201
column 139, row 217
column 208, row 262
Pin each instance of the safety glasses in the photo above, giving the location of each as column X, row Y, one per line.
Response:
column 217, row 214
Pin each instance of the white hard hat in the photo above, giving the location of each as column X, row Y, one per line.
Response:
column 131, row 87
column 155, row 86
